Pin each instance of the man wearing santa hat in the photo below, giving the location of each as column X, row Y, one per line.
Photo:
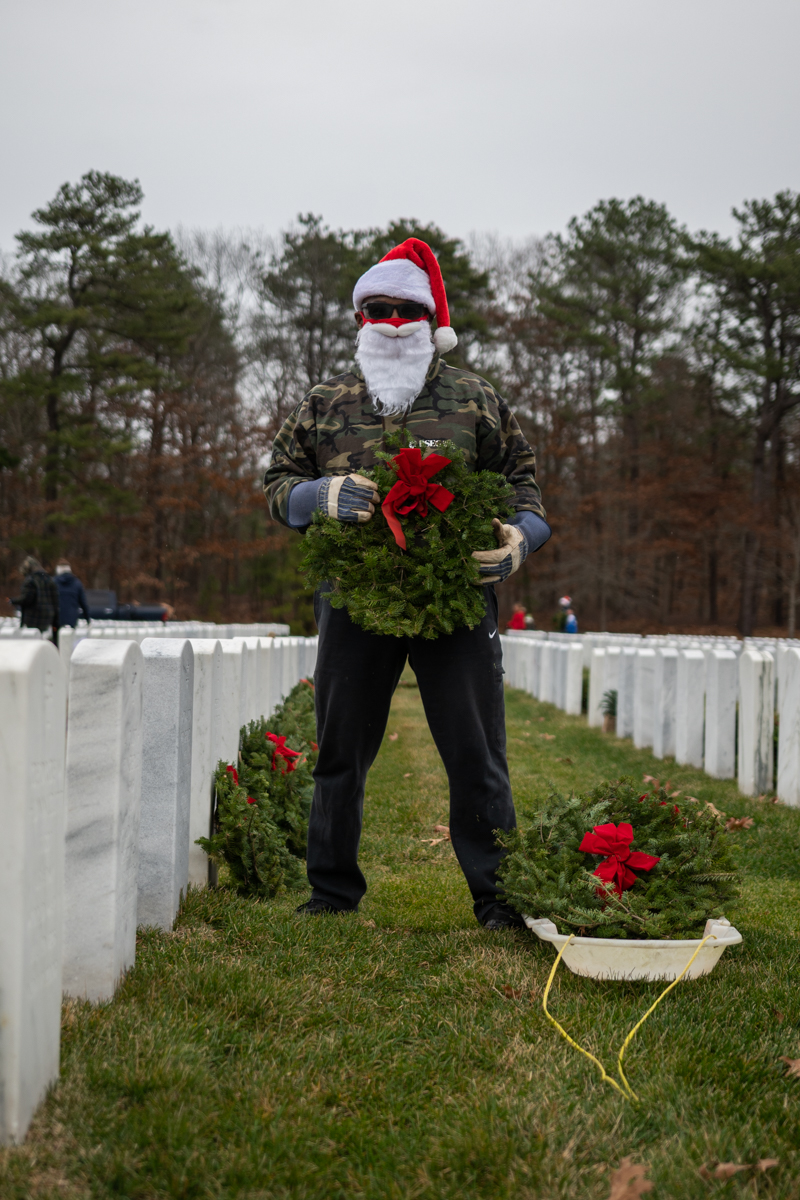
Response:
column 400, row 381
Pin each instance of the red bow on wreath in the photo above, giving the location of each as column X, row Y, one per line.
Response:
column 615, row 841
column 283, row 752
column 232, row 771
column 414, row 489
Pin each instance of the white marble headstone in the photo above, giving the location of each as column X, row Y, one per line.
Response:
column 207, row 749
column 722, row 689
column 756, row 722
column 251, row 683
column 33, row 709
column 789, row 728
column 231, row 698
column 596, row 686
column 278, row 647
column 574, row 687
column 643, row 696
column 562, row 658
column 536, row 668
column 104, row 786
column 664, row 698
column 625, row 691
column 547, row 672
column 689, row 707
column 166, row 778
column 265, row 671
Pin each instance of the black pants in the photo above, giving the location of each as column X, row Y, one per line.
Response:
column 460, row 680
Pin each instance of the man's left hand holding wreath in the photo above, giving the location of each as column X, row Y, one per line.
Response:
column 524, row 533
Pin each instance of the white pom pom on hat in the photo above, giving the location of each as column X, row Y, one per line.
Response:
column 411, row 271
column 445, row 338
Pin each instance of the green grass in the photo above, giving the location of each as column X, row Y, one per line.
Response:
column 252, row 1054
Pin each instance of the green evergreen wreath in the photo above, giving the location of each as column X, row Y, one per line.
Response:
column 546, row 874
column 428, row 588
column 263, row 802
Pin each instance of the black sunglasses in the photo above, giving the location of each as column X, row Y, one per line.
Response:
column 381, row 310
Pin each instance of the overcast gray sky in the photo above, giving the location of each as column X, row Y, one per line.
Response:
column 506, row 116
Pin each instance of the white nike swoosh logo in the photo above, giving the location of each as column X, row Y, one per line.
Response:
column 491, row 635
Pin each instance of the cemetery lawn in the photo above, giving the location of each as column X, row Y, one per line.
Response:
column 402, row 1052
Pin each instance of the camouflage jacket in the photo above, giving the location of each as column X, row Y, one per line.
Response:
column 334, row 431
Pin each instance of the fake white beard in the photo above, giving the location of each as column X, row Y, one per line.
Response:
column 394, row 367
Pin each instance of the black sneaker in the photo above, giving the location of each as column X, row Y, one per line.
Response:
column 500, row 916
column 315, row 908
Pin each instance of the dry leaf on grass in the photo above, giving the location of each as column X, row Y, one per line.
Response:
column 568, row 761
column 444, row 830
column 734, row 823
column 714, row 810
column 407, row 775
column 650, row 779
column 779, row 1017
column 432, row 841
column 628, row 1181
column 794, row 1066
column 548, row 737
column 727, row 1170
column 393, row 737
column 511, row 993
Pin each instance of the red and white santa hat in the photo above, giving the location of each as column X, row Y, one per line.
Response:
column 411, row 272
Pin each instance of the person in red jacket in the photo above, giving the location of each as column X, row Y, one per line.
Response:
column 517, row 617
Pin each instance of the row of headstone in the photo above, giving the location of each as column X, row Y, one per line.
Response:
column 709, row 703
column 106, row 780
column 550, row 670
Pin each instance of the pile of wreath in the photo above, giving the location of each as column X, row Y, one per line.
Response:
column 409, row 571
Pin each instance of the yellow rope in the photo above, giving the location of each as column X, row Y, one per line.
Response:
column 606, row 1078
column 628, row 1092
column 652, row 1007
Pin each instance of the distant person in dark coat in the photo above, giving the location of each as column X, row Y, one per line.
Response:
column 71, row 596
column 38, row 604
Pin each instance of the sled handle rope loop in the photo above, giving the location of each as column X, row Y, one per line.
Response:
column 626, row 1091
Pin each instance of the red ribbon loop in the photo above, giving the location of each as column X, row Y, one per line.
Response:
column 615, row 841
column 414, row 490
column 283, row 753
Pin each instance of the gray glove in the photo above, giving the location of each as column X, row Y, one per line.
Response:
column 349, row 498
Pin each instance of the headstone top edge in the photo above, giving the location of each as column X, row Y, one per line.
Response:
column 111, row 651
column 166, row 647
column 17, row 654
